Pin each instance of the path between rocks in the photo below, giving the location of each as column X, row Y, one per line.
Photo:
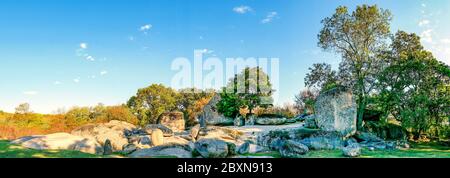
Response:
column 251, row 132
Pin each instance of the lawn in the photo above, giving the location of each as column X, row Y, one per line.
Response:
column 422, row 150
column 8, row 150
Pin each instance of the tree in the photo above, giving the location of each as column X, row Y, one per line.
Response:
column 321, row 77
column 23, row 108
column 149, row 103
column 250, row 88
column 305, row 100
column 191, row 101
column 360, row 38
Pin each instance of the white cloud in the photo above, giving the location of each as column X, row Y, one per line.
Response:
column 146, row 27
column 207, row 51
column 445, row 40
column 57, row 83
column 83, row 45
column 242, row 9
column 131, row 38
column 269, row 18
column 30, row 93
column 424, row 5
column 77, row 80
column 90, row 58
column 104, row 72
column 424, row 22
column 426, row 36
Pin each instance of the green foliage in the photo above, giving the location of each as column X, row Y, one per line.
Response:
column 249, row 89
column 149, row 103
column 360, row 38
column 305, row 101
column 191, row 101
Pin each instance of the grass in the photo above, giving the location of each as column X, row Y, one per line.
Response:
column 8, row 150
column 418, row 150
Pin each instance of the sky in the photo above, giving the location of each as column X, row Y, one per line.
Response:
column 64, row 53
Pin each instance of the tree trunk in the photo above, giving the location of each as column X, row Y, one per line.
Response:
column 360, row 113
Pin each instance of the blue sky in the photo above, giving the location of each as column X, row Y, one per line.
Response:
column 64, row 53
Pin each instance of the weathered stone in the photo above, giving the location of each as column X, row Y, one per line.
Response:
column 352, row 150
column 128, row 149
column 324, row 140
column 175, row 140
column 250, row 120
column 310, row 122
column 270, row 121
column 157, row 137
column 291, row 121
column 167, row 131
column 336, row 111
column 211, row 116
column 301, row 117
column 170, row 150
column 213, row 148
column 195, row 131
column 115, row 131
column 107, row 147
column 173, row 120
column 145, row 140
column 61, row 141
column 293, row 149
column 367, row 136
column 239, row 121
column 244, row 148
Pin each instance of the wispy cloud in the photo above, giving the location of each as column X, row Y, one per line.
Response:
column 82, row 52
column 269, row 18
column 146, row 27
column 83, row 45
column 57, row 83
column 242, row 9
column 30, row 93
column 104, row 72
column 77, row 80
column 424, row 22
column 426, row 35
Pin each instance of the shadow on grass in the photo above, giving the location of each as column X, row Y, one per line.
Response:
column 8, row 150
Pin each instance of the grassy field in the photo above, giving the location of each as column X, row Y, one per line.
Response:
column 8, row 150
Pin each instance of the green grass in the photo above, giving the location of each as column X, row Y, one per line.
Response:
column 8, row 150
column 418, row 150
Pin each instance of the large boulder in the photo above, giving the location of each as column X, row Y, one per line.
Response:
column 173, row 120
column 270, row 121
column 310, row 122
column 324, row 140
column 157, row 137
column 211, row 116
column 169, row 150
column 336, row 111
column 293, row 149
column 220, row 133
column 61, row 141
column 194, row 132
column 352, row 150
column 214, row 148
column 167, row 131
column 116, row 132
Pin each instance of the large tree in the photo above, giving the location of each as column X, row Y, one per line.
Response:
column 360, row 38
column 249, row 89
column 149, row 103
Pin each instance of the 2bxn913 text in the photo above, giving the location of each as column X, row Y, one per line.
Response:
column 247, row 168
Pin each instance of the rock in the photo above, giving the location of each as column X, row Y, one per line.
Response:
column 310, row 122
column 128, row 149
column 221, row 133
column 175, row 140
column 291, row 121
column 239, row 121
column 301, row 117
column 336, row 111
column 270, row 121
column 145, row 140
column 367, row 136
column 157, row 137
column 324, row 140
column 213, row 148
column 167, row 131
column 107, row 148
column 116, row 132
column 173, row 120
column 352, row 150
column 170, row 150
column 371, row 148
column 61, row 141
column 195, row 131
column 292, row 149
column 211, row 116
column 250, row 120
column 402, row 144
column 244, row 148
column 253, row 148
